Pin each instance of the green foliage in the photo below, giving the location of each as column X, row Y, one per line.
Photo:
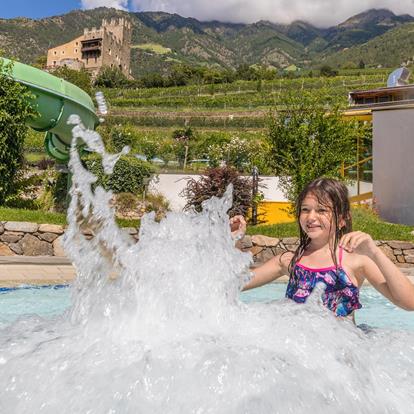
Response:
column 127, row 177
column 327, row 71
column 111, row 78
column 80, row 78
column 309, row 142
column 120, row 137
column 15, row 109
column 214, row 182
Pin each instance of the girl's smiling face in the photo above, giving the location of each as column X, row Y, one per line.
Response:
column 315, row 218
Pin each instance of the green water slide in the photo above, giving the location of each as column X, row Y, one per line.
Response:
column 55, row 100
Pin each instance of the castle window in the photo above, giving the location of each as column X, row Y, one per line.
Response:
column 54, row 52
column 63, row 52
column 77, row 43
column 54, row 63
column 110, row 52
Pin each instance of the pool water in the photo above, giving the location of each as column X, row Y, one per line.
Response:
column 52, row 301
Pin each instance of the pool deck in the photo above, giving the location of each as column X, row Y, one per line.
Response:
column 51, row 270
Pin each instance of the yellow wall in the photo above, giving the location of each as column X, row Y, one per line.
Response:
column 275, row 212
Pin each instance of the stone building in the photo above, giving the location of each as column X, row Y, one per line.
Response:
column 107, row 46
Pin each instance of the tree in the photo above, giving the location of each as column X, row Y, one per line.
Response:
column 80, row 78
column 309, row 140
column 327, row 71
column 182, row 137
column 15, row 109
column 111, row 78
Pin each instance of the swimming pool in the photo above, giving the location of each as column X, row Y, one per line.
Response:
column 51, row 301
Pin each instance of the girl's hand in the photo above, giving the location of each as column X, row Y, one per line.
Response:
column 237, row 227
column 359, row 242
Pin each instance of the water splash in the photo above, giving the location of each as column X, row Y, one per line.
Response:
column 157, row 327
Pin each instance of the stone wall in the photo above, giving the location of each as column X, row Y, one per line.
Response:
column 31, row 239
column 263, row 248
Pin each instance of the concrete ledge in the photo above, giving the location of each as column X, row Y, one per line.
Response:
column 35, row 260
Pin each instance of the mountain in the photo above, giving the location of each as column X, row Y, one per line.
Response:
column 160, row 39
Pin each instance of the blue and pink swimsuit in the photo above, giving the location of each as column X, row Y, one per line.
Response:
column 341, row 296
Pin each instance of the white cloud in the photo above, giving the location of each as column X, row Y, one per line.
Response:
column 117, row 4
column 322, row 13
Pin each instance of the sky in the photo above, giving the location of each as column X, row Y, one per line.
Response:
column 321, row 13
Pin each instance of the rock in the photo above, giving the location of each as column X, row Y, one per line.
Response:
column 49, row 237
column 16, row 248
column 11, row 237
column 23, row 226
column 409, row 259
column 1, row 228
column 409, row 252
column 51, row 228
column 265, row 255
column 32, row 246
column 5, row 250
column 255, row 250
column 398, row 252
column 290, row 240
column 245, row 243
column 400, row 259
column 388, row 252
column 401, row 245
column 291, row 247
column 266, row 241
column 58, row 248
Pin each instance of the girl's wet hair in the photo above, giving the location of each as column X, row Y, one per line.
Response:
column 333, row 195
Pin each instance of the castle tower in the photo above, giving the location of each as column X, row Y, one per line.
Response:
column 107, row 46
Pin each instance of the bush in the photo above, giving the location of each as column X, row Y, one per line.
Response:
column 80, row 78
column 214, row 183
column 127, row 177
column 119, row 137
column 111, row 78
column 158, row 203
column 15, row 108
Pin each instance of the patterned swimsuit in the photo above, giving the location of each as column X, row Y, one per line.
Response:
column 341, row 296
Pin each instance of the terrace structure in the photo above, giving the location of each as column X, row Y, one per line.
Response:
column 108, row 45
column 391, row 165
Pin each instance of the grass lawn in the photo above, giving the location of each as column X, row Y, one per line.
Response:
column 363, row 220
column 41, row 217
column 153, row 47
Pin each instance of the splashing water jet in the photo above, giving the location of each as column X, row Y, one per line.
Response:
column 158, row 327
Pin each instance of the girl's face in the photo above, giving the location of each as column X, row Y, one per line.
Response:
column 316, row 219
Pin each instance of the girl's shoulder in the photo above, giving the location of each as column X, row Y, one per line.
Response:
column 354, row 261
column 285, row 258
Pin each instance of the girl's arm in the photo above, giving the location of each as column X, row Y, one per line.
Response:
column 271, row 270
column 380, row 271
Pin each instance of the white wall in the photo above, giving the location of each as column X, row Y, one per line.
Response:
column 171, row 185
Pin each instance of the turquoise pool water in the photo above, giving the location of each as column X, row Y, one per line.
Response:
column 52, row 301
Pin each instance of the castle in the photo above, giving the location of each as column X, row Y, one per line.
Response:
column 107, row 46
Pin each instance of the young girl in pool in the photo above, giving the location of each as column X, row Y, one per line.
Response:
column 331, row 253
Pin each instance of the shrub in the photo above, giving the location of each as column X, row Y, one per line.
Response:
column 125, row 203
column 158, row 203
column 214, row 183
column 119, row 137
column 111, row 78
column 127, row 177
column 15, row 108
column 80, row 78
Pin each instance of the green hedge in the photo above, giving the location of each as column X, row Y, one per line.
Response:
column 127, row 177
